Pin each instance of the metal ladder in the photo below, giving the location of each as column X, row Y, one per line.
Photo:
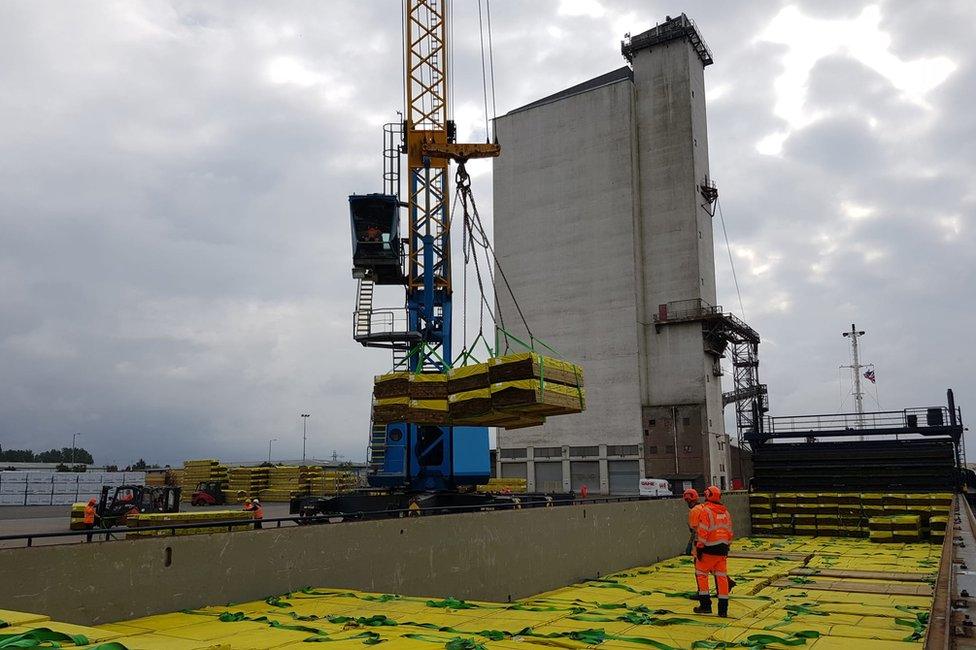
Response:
column 377, row 446
column 364, row 308
column 399, row 358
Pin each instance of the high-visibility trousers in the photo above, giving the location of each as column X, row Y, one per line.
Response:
column 712, row 564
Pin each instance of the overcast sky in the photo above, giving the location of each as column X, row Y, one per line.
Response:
column 174, row 240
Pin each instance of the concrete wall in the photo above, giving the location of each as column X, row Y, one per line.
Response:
column 564, row 233
column 497, row 556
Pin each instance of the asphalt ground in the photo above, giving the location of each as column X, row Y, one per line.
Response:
column 26, row 520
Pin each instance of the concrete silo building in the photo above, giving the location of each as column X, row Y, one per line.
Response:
column 603, row 224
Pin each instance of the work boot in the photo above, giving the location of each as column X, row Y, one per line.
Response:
column 723, row 607
column 704, row 605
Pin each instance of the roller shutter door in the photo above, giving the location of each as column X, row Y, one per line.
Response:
column 585, row 472
column 549, row 477
column 624, row 476
column 513, row 470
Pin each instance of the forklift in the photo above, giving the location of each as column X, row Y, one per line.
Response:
column 112, row 510
column 208, row 493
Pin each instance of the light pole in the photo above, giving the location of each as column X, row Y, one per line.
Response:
column 73, row 436
column 269, row 449
column 305, row 417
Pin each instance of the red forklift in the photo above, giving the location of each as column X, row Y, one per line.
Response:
column 208, row 493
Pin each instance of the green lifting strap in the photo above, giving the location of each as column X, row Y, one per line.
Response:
column 468, row 353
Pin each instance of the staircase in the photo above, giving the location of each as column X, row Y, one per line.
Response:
column 377, row 447
column 364, row 309
column 399, row 358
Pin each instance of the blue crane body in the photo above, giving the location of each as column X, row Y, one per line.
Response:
column 405, row 455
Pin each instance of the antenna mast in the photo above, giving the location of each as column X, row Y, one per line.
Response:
column 855, row 367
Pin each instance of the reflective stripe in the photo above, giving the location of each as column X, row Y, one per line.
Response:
column 703, row 593
column 700, row 573
column 721, row 573
column 723, row 597
column 714, row 528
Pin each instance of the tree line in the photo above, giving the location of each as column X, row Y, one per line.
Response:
column 63, row 455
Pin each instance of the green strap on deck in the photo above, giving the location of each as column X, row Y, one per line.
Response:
column 43, row 637
column 760, row 641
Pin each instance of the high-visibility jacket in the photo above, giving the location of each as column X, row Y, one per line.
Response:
column 89, row 515
column 693, row 514
column 714, row 528
column 258, row 512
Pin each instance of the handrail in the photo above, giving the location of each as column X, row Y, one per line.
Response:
column 112, row 534
column 813, row 422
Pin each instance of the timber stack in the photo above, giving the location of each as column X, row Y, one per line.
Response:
column 511, row 392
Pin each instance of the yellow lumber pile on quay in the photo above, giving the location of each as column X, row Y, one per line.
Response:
column 164, row 518
column 333, row 482
column 288, row 481
column 200, row 471
column 246, row 482
column 504, row 486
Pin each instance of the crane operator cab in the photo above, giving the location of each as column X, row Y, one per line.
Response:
column 377, row 250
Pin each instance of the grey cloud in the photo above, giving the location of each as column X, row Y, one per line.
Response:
column 174, row 265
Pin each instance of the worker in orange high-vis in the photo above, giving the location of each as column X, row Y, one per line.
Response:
column 694, row 509
column 89, row 520
column 258, row 512
column 712, row 551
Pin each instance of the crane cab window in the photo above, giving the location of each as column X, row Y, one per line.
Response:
column 376, row 241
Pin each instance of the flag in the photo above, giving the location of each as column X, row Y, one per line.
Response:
column 869, row 375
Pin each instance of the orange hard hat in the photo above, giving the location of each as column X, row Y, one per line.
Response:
column 713, row 494
column 690, row 495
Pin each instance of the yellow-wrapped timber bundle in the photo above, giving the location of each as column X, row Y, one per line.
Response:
column 536, row 386
column 428, row 411
column 530, row 365
column 202, row 471
column 77, row 517
column 475, row 408
column 895, row 528
column 847, row 514
column 286, row 482
column 468, row 378
column 164, row 518
column 331, row 483
column 428, row 386
column 390, row 409
column 513, row 391
column 534, row 398
column 392, row 384
column 504, row 485
column 937, row 527
column 247, row 482
column 156, row 478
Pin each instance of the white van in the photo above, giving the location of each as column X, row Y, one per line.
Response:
column 655, row 487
